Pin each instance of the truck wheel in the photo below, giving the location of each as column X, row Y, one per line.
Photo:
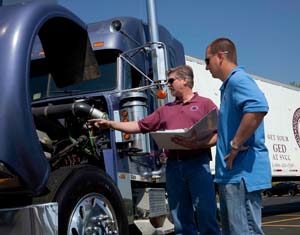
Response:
column 90, row 203
column 269, row 194
column 291, row 193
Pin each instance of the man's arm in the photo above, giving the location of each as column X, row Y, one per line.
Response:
column 248, row 125
column 128, row 127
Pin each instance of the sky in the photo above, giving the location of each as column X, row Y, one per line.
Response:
column 266, row 32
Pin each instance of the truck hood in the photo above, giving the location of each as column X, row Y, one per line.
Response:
column 21, row 151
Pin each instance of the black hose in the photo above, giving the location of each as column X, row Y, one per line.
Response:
column 78, row 109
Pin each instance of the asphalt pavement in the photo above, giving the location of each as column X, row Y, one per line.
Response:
column 281, row 215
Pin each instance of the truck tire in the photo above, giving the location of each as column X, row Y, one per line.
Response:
column 291, row 193
column 90, row 203
column 269, row 194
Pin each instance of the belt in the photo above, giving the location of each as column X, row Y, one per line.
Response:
column 186, row 155
column 183, row 157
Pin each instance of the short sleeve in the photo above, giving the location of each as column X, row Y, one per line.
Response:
column 248, row 97
column 151, row 122
column 211, row 105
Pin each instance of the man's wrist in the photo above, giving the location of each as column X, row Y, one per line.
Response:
column 234, row 146
column 111, row 124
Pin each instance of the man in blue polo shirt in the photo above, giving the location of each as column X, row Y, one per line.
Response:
column 242, row 162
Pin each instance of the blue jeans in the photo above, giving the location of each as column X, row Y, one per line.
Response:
column 240, row 210
column 190, row 189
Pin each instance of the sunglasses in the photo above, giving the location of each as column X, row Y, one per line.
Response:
column 171, row 80
column 208, row 59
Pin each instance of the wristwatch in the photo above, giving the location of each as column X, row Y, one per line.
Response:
column 234, row 147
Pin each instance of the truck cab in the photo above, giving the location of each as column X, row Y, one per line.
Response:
column 57, row 73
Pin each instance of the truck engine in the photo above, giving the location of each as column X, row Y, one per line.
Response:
column 65, row 135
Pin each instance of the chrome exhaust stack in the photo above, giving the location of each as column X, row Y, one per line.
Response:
column 158, row 49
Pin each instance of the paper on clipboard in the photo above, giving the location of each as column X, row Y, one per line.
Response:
column 201, row 129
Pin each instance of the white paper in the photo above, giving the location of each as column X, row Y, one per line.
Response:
column 201, row 129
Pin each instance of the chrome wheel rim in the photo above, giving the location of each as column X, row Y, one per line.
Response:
column 93, row 215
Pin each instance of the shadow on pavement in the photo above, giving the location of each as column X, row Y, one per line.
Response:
column 281, row 208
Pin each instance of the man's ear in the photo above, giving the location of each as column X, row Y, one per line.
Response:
column 185, row 81
column 220, row 58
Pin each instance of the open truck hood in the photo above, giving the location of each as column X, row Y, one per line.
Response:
column 21, row 151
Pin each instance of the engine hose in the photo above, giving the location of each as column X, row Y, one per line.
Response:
column 77, row 109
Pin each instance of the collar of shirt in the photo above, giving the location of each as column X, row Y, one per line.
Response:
column 236, row 69
column 177, row 101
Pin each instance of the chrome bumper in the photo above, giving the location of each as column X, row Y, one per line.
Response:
column 33, row 220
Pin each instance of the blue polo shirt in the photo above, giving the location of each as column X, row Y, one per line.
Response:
column 239, row 95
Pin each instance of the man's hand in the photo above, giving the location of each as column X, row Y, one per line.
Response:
column 100, row 123
column 229, row 158
column 163, row 158
column 128, row 127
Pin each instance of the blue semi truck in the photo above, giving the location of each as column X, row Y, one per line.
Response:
column 56, row 73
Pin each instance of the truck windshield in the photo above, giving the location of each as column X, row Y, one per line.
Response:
column 43, row 86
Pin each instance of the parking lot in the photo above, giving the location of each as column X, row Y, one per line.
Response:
column 281, row 215
column 282, row 224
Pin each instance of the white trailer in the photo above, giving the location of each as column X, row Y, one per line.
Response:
column 282, row 123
